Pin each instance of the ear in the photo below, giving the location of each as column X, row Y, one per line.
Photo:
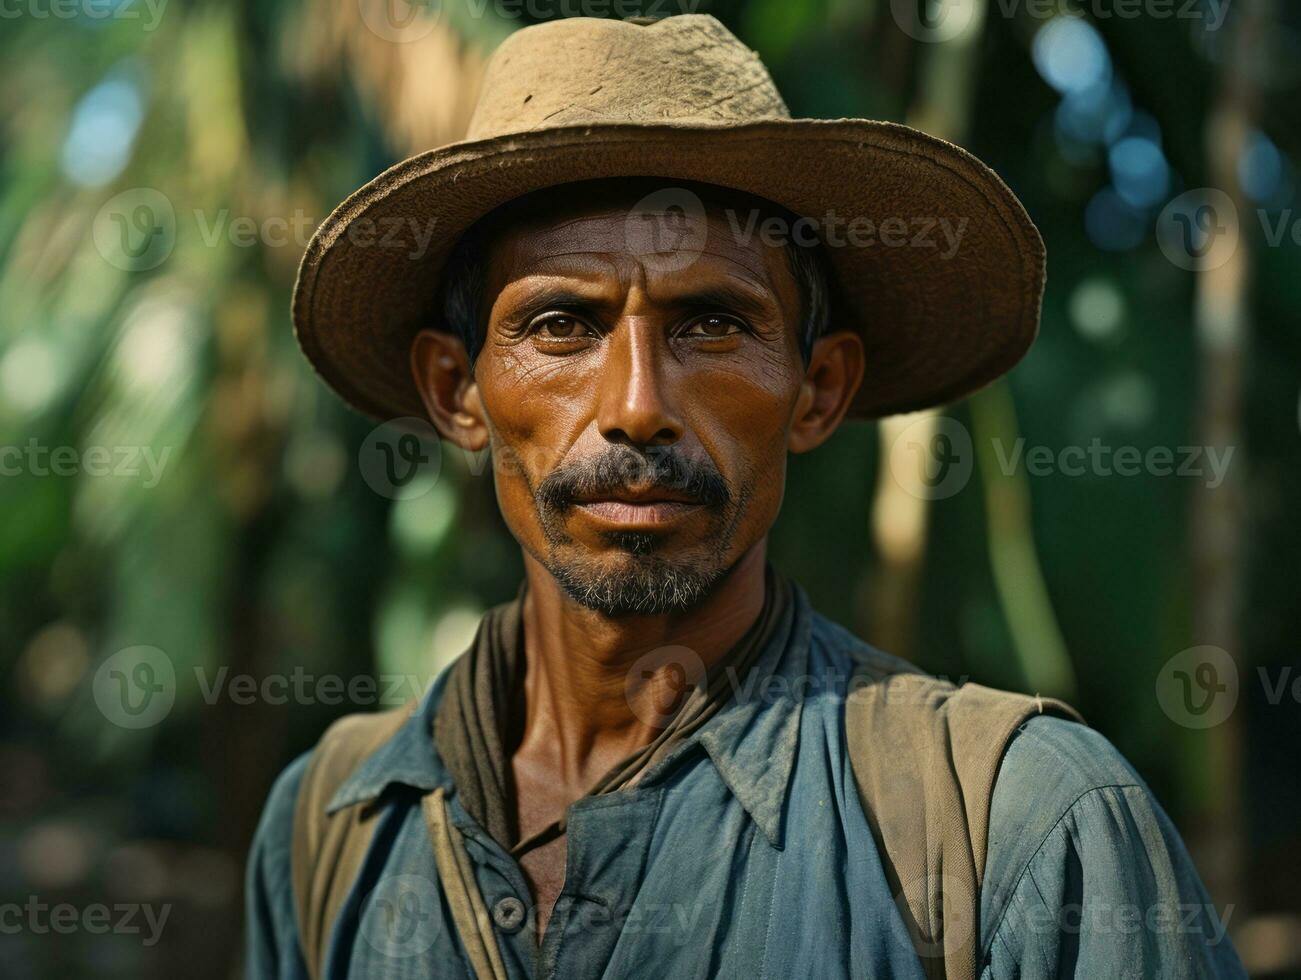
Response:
column 834, row 373
column 440, row 367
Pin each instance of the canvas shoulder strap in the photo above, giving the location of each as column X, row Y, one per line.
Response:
column 925, row 755
column 328, row 849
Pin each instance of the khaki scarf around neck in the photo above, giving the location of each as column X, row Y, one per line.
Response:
column 486, row 687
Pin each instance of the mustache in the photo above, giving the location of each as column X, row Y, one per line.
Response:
column 625, row 468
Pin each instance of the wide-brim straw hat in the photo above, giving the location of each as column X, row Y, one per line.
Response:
column 683, row 99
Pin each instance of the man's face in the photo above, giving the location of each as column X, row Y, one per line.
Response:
column 638, row 402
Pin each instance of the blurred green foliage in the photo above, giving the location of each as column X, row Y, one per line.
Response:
column 259, row 548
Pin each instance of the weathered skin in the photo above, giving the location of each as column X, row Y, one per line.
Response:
column 645, row 353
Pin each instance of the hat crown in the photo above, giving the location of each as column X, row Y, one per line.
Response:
column 591, row 71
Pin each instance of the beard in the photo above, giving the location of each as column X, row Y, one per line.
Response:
column 640, row 585
column 636, row 579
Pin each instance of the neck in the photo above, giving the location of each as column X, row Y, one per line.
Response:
column 581, row 705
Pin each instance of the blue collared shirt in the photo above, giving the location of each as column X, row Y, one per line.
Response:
column 746, row 853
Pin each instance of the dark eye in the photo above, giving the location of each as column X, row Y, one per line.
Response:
column 560, row 326
column 713, row 327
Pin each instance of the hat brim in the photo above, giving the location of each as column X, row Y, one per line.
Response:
column 938, row 322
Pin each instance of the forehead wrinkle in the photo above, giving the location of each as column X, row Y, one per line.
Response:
column 603, row 232
column 606, row 232
column 522, row 260
column 554, row 252
column 597, row 277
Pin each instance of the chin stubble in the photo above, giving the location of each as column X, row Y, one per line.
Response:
column 648, row 586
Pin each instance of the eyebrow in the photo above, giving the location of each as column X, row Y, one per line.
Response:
column 554, row 295
column 725, row 296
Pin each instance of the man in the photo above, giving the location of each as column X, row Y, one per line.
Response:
column 659, row 760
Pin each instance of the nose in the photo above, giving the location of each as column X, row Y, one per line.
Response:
column 636, row 406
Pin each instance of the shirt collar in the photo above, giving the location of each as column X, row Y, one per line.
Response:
column 752, row 740
column 409, row 758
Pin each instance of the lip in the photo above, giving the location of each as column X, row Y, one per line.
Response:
column 628, row 514
column 647, row 494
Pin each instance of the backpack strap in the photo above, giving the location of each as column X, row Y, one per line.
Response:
column 925, row 755
column 328, row 848
column 464, row 900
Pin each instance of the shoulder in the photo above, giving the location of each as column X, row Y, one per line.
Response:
column 318, row 772
column 1061, row 760
column 308, row 782
column 271, row 928
column 275, row 828
column 1086, row 871
column 1053, row 770
column 1064, row 798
